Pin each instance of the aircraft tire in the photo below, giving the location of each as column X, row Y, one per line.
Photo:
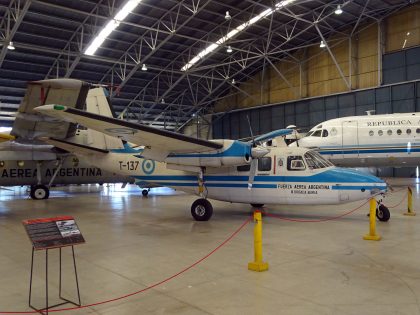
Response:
column 39, row 192
column 257, row 205
column 144, row 192
column 382, row 213
column 201, row 210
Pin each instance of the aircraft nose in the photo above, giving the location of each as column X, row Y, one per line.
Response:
column 366, row 182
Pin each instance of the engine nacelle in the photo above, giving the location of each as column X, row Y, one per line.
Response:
column 233, row 153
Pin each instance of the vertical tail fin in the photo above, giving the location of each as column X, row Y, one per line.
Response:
column 97, row 103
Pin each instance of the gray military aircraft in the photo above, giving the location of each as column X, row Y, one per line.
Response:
column 24, row 160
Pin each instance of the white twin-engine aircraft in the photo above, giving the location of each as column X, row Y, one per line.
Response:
column 371, row 140
column 226, row 170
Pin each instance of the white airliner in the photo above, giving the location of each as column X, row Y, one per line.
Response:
column 226, row 170
column 371, row 140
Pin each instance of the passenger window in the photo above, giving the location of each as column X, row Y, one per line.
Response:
column 317, row 133
column 408, row 131
column 380, row 132
column 389, row 132
column 399, row 132
column 371, row 133
column 295, row 163
column 244, row 168
column 264, row 164
column 418, row 130
column 324, row 133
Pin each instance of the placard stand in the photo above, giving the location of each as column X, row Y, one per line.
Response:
column 65, row 300
column 53, row 233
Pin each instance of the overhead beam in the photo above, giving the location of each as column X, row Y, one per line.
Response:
column 10, row 33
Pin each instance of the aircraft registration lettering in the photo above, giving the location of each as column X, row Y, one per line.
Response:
column 129, row 166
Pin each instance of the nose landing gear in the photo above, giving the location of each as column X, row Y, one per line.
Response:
column 382, row 213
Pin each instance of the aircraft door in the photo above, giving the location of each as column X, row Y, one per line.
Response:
column 350, row 139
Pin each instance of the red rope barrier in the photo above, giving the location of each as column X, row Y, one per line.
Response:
column 316, row 220
column 147, row 288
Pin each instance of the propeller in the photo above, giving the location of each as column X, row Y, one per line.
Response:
column 256, row 153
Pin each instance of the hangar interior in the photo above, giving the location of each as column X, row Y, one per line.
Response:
column 214, row 69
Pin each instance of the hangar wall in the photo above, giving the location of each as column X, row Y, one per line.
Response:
column 312, row 72
column 319, row 92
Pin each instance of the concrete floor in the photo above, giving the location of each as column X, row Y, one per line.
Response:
column 134, row 242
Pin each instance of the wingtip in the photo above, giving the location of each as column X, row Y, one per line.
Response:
column 51, row 107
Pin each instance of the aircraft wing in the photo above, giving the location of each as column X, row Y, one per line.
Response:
column 273, row 134
column 6, row 137
column 161, row 141
column 74, row 147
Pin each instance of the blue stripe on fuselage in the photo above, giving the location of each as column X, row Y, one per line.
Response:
column 336, row 175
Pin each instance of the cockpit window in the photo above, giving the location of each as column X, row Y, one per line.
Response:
column 314, row 160
column 295, row 163
column 324, row 133
column 309, row 133
column 317, row 133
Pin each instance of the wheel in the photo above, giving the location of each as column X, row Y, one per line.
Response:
column 382, row 213
column 39, row 192
column 257, row 205
column 145, row 192
column 201, row 210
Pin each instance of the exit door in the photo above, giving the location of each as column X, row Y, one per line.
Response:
column 350, row 139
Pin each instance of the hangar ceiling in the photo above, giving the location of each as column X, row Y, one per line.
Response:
column 51, row 36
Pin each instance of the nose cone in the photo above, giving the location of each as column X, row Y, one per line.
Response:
column 357, row 180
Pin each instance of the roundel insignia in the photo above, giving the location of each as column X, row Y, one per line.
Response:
column 148, row 166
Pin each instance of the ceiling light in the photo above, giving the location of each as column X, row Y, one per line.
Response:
column 338, row 11
column 10, row 46
column 111, row 26
column 322, row 45
column 163, row 101
column 229, row 49
column 227, row 16
column 144, row 68
column 233, row 81
column 234, row 32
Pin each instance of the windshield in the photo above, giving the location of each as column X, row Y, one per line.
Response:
column 314, row 160
column 309, row 134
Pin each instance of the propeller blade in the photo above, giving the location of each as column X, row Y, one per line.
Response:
column 252, row 171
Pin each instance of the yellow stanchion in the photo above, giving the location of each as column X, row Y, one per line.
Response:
column 258, row 264
column 372, row 236
column 410, row 210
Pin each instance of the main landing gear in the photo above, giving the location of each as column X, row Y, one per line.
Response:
column 39, row 192
column 201, row 210
column 145, row 192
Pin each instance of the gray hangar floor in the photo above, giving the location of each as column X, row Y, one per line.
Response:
column 133, row 242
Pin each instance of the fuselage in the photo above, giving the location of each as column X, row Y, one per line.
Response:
column 371, row 140
column 72, row 171
column 284, row 176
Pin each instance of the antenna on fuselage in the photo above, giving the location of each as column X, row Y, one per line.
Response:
column 370, row 112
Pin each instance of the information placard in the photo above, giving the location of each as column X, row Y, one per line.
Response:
column 46, row 233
